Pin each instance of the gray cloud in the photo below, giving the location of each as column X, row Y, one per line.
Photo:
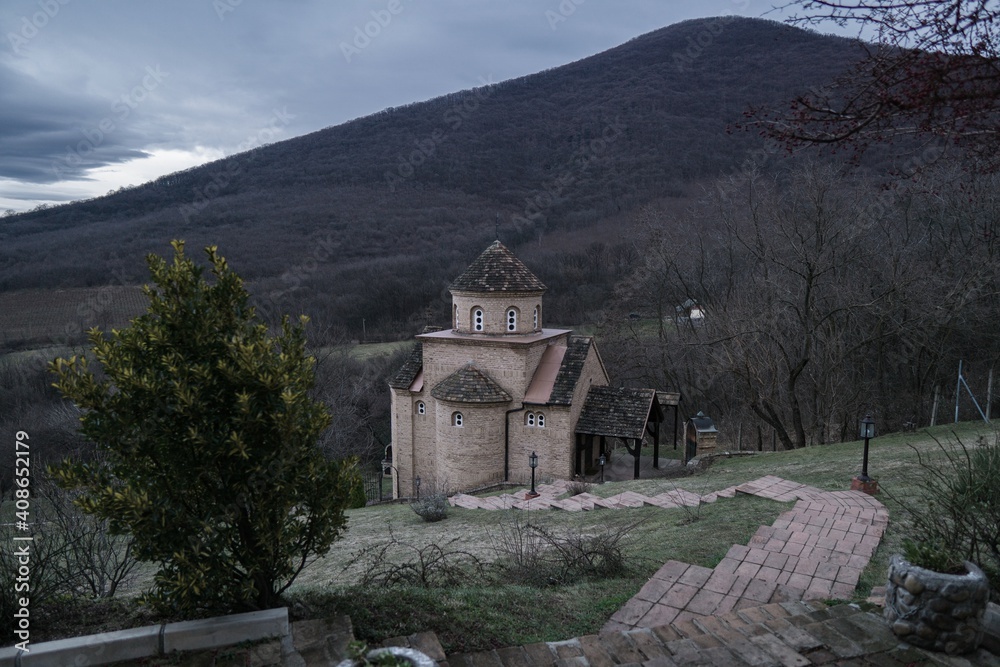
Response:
column 89, row 85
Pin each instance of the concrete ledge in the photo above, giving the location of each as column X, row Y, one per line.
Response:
column 138, row 643
column 225, row 630
column 99, row 649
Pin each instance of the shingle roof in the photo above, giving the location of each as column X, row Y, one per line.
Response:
column 407, row 373
column 618, row 412
column 470, row 385
column 497, row 270
column 577, row 348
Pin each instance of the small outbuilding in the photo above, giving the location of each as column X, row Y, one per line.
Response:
column 700, row 436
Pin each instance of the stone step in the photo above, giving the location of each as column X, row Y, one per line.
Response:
column 787, row 634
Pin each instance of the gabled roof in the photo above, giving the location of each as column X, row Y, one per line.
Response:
column 577, row 348
column 408, row 372
column 497, row 270
column 470, row 385
column 617, row 412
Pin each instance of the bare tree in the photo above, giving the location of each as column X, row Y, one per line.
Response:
column 934, row 71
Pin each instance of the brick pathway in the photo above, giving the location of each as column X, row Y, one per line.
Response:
column 786, row 634
column 548, row 498
column 759, row 606
column 816, row 550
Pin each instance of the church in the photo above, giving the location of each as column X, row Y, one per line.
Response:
column 473, row 402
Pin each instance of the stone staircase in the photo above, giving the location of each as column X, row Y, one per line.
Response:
column 786, row 634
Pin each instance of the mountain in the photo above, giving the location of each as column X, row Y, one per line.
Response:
column 364, row 223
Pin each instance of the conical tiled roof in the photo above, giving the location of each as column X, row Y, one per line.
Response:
column 497, row 270
column 470, row 385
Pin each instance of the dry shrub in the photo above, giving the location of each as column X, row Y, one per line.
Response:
column 533, row 554
column 431, row 508
column 397, row 563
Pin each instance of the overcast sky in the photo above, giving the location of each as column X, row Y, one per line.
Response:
column 97, row 94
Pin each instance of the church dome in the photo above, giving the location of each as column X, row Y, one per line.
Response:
column 497, row 270
column 497, row 296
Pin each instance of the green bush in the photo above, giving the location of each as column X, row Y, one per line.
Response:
column 431, row 508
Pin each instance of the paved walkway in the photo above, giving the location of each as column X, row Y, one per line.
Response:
column 548, row 498
column 786, row 634
column 816, row 550
column 761, row 605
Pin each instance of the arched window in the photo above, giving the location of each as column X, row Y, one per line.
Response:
column 457, row 419
column 455, row 318
column 540, row 420
column 512, row 319
column 421, row 408
column 536, row 318
column 529, row 419
column 477, row 319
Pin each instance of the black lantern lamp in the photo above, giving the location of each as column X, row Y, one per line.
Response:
column 867, row 432
column 601, row 462
column 533, row 462
column 863, row 482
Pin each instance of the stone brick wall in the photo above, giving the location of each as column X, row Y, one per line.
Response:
column 593, row 373
column 467, row 454
column 553, row 444
column 424, row 442
column 495, row 307
column 402, row 439
column 459, row 457
column 510, row 364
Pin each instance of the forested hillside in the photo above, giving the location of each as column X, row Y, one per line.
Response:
column 363, row 224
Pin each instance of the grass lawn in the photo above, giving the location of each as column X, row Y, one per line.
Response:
column 490, row 611
column 477, row 617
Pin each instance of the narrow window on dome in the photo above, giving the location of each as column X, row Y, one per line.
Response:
column 477, row 319
column 529, row 419
column 535, row 324
column 456, row 419
column 421, row 408
column 511, row 320
column 540, row 420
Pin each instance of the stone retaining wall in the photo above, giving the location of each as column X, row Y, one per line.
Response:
column 158, row 640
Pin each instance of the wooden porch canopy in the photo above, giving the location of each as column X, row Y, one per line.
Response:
column 618, row 412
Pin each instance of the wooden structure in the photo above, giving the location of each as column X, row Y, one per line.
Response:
column 617, row 412
column 700, row 436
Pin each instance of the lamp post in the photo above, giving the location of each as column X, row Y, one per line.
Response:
column 416, row 481
column 387, row 463
column 533, row 463
column 601, row 461
column 863, row 482
column 867, row 432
